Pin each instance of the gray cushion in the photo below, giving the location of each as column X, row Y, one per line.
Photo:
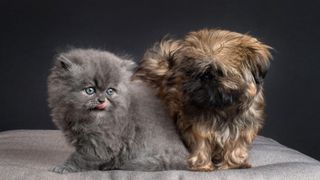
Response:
column 28, row 154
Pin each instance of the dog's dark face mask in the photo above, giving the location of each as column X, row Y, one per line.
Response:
column 205, row 89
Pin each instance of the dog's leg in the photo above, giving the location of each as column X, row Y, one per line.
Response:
column 236, row 152
column 201, row 149
column 235, row 157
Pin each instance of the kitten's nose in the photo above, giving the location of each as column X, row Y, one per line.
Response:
column 101, row 99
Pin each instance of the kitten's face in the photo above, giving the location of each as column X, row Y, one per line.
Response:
column 89, row 80
column 96, row 93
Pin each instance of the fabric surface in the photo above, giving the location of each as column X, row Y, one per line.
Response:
column 28, row 154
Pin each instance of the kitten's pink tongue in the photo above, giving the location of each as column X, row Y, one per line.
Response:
column 101, row 106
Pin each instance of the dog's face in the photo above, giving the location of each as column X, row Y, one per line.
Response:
column 221, row 68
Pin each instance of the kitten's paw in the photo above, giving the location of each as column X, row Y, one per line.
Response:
column 63, row 169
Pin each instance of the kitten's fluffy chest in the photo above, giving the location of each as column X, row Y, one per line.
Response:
column 96, row 139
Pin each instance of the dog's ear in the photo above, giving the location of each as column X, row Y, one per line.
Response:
column 164, row 51
column 157, row 61
column 258, row 58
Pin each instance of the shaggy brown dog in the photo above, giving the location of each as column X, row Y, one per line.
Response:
column 212, row 83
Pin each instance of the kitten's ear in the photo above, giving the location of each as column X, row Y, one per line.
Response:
column 63, row 62
column 128, row 65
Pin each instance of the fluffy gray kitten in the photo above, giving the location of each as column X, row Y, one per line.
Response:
column 112, row 122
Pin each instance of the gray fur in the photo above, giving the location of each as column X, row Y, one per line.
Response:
column 134, row 132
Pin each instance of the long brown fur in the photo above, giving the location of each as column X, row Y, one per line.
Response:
column 218, row 137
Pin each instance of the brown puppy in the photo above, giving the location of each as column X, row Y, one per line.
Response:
column 212, row 83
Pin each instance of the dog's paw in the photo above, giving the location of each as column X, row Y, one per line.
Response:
column 204, row 168
column 196, row 164
column 244, row 165
column 63, row 169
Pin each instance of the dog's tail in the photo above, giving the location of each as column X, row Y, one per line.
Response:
column 157, row 61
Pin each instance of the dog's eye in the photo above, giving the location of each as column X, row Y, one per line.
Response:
column 219, row 73
column 206, row 76
column 188, row 73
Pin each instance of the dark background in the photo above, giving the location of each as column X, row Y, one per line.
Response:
column 33, row 31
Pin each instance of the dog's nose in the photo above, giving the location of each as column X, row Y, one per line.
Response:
column 101, row 99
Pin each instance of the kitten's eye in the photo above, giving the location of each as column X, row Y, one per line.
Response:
column 90, row 90
column 110, row 91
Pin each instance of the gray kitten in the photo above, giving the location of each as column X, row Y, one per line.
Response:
column 112, row 122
